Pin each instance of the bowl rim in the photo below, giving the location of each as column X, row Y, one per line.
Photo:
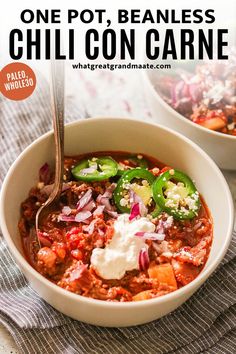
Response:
column 192, row 286
column 180, row 116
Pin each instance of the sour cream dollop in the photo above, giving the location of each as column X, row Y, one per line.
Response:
column 122, row 253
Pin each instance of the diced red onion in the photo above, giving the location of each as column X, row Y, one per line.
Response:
column 99, row 210
column 135, row 211
column 104, row 201
column 90, row 206
column 99, row 198
column 197, row 226
column 66, row 218
column 104, row 198
column 173, row 95
column 90, row 228
column 44, row 239
column 47, row 189
column 101, row 233
column 82, row 216
column 137, row 198
column 112, row 213
column 163, row 225
column 66, row 210
column 194, row 91
column 178, row 88
column 134, row 199
column 78, row 272
column 161, row 247
column 109, row 190
column 89, row 170
column 160, row 228
column 44, row 173
column 143, row 259
column 150, row 236
column 84, row 200
column 185, row 91
column 131, row 196
column 142, row 209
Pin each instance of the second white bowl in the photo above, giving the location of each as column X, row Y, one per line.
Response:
column 221, row 147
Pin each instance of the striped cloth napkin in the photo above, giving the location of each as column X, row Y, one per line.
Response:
column 205, row 323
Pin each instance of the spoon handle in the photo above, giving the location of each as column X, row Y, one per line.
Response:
column 58, row 85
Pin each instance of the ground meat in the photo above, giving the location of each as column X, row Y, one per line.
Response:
column 141, row 282
column 103, row 292
column 163, row 289
column 79, row 188
column 29, row 210
column 190, row 232
column 81, row 280
column 185, row 272
column 119, row 294
column 77, row 278
column 195, row 255
column 36, row 192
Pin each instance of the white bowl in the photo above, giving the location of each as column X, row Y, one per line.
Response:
column 221, row 147
column 127, row 135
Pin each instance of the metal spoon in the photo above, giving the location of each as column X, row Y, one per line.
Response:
column 57, row 92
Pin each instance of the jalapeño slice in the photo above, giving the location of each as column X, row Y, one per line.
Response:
column 124, row 185
column 176, row 194
column 95, row 169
